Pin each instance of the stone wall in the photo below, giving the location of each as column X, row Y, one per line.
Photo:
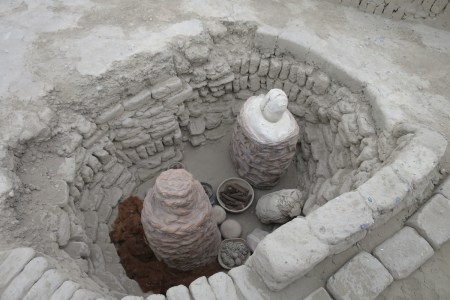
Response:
column 118, row 136
column 399, row 9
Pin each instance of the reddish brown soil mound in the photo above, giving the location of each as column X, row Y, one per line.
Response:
column 138, row 259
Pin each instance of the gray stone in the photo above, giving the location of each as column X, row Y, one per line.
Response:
column 103, row 234
column 321, row 83
column 432, row 221
column 287, row 254
column 168, row 153
column 179, row 98
column 96, row 256
column 216, row 133
column 110, row 280
column 65, row 291
column 197, row 54
column 196, row 126
column 254, row 63
column 255, row 237
column 248, row 284
column 179, row 292
column 200, row 289
column 45, row 286
column 243, row 82
column 319, row 294
column 20, row 285
column 254, row 83
column 156, row 297
column 363, row 277
column 132, row 298
column 444, row 188
column 285, row 69
column 14, row 264
column 136, row 141
column 403, row 253
column 77, row 249
column 222, row 286
column 138, row 100
column 212, row 120
column 110, row 114
column 63, row 233
column 197, row 140
column 83, row 294
column 112, row 175
column 263, row 67
column 275, row 68
column 164, row 88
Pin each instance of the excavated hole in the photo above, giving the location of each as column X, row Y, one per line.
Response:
column 189, row 118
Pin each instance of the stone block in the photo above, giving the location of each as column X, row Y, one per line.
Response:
column 45, row 286
column 156, row 297
column 342, row 221
column 438, row 6
column 197, row 140
column 200, row 289
column 63, row 233
column 132, row 298
column 403, row 253
column 274, row 68
column 20, row 285
column 13, row 264
column 179, row 292
column 83, row 294
column 263, row 67
column 179, row 98
column 319, row 294
column 432, row 221
column 196, row 126
column 363, row 277
column 254, row 63
column 248, row 284
column 164, row 88
column 138, row 100
column 222, row 286
column 384, row 193
column 254, row 83
column 287, row 254
column 77, row 249
column 321, row 83
column 110, row 113
column 112, row 175
column 96, row 256
column 444, row 188
column 65, row 291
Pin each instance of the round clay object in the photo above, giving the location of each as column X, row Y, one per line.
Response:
column 219, row 214
column 231, row 229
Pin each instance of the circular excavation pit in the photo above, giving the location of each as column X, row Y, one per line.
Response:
column 84, row 175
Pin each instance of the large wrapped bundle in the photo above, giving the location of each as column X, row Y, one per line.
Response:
column 178, row 221
column 264, row 139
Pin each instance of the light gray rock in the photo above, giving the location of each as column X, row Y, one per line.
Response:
column 363, row 277
column 197, row 54
column 197, row 140
column 83, row 294
column 77, row 249
column 321, row 83
column 230, row 229
column 287, row 254
column 254, row 63
column 280, row 206
column 132, row 298
column 263, row 67
column 65, row 291
column 186, row 94
column 319, row 294
column 222, row 286
column 254, row 83
column 21, row 284
column 179, row 292
column 274, row 68
column 432, row 220
column 166, row 87
column 403, row 253
column 63, row 233
column 341, row 221
column 156, row 297
column 138, row 100
column 196, row 126
column 110, row 113
column 444, row 188
column 13, row 264
column 96, row 256
column 45, row 286
column 200, row 289
column 248, row 284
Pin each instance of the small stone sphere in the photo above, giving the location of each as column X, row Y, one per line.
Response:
column 219, row 214
column 231, row 229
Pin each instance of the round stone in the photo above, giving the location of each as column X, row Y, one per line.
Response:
column 219, row 214
column 231, row 229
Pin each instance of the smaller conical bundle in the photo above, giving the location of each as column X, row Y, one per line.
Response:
column 178, row 221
